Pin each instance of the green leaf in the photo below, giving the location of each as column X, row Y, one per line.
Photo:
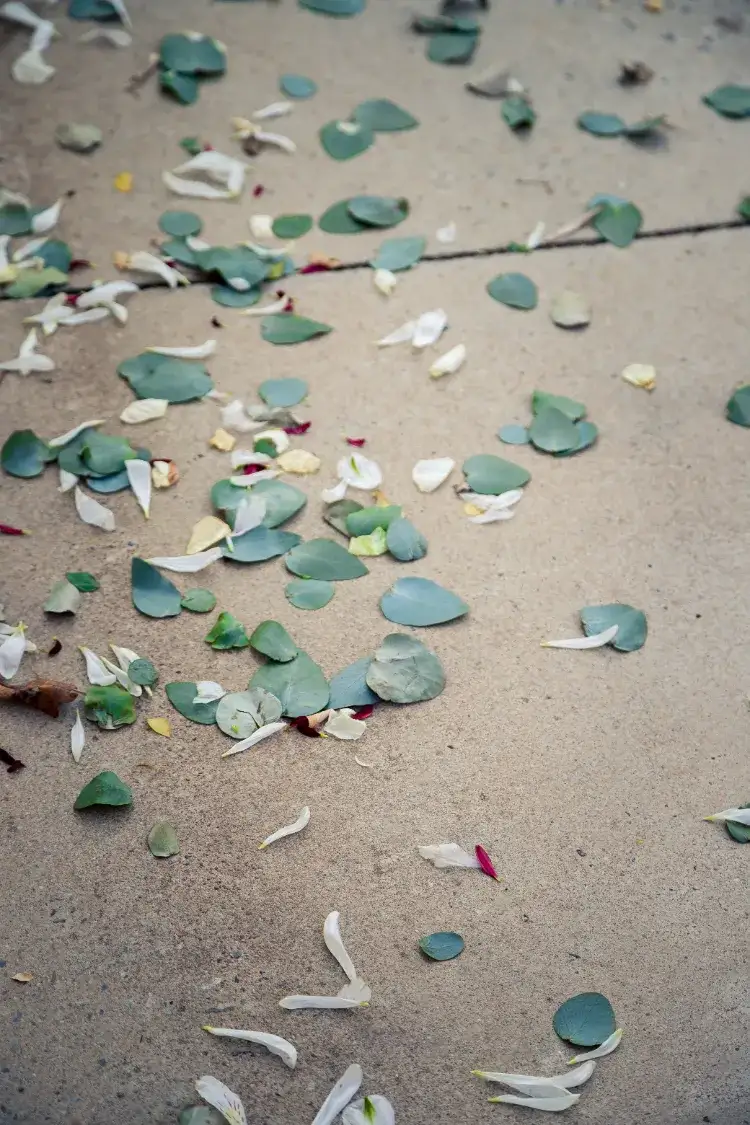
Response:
column 514, row 290
column 513, row 434
column 309, row 593
column 198, row 600
column 383, row 116
column 64, row 597
column 103, row 454
column 31, row 282
column 743, row 208
column 363, row 521
column 738, row 407
column 152, row 593
column 230, row 298
column 234, row 264
column 542, row 400
column 399, row 253
column 420, row 601
column 618, row 223
column 178, row 249
column 587, row 435
column 601, row 124
column 404, row 671
column 181, row 694
column 442, row 946
column 201, row 1115
column 349, row 688
column 288, row 328
column 227, row 632
column 24, row 454
column 240, row 713
column 283, row 392
column 337, row 514
column 324, row 559
column 55, row 254
column 517, row 112
column 337, row 220
column 631, row 634
column 585, row 1020
column 159, row 376
column 299, row 684
column 429, row 25
column 347, row 142
column 730, row 101
column 338, row 8
column 292, row 226
column 142, row 671
column 83, row 581
column 282, row 500
column 114, row 482
column 162, row 840
column 109, row 707
column 184, row 88
column 15, row 219
column 272, row 639
column 492, row 475
column 180, row 224
column 190, row 54
column 378, row 210
column 92, row 10
column 104, row 789
column 297, row 86
column 369, row 546
column 452, row 47
column 404, row 542
column 738, row 832
column 259, row 544
column 552, row 431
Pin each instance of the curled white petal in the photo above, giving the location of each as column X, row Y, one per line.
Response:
column 277, row 438
column 234, row 417
column 535, row 237
column 139, row 477
column 526, row 1082
column 105, row 294
column 598, row 640
column 446, row 234
column 378, row 1112
column 272, row 307
column 385, row 281
column 29, row 249
column 448, row 855
column 301, row 822
column 194, row 351
column 145, row 262
column 275, row 109
column 88, row 316
column 340, row 1096
column 124, row 656
column 273, row 1043
column 277, row 140
column 96, row 670
column 194, row 189
column 449, row 363
column 356, row 989
column 610, row 1044
column 359, row 472
column 429, row 328
column 208, row 691
column 116, row 37
column 249, row 514
column 336, row 492
column 45, row 220
column 222, row 1098
column 486, row 501
column 214, row 166
column 11, row 652
column 335, row 944
column 77, row 738
column 429, row 475
column 144, row 410
column 259, row 736
column 67, row 480
column 92, row 512
column 188, row 564
column 122, row 677
column 493, row 515
column 297, row 1003
column 30, row 69
column 63, row 439
column 341, row 725
column 555, row 1103
column 400, row 335
column 739, row 816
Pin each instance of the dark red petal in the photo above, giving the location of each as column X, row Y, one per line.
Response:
column 55, row 647
column 6, row 529
column 207, row 147
column 248, row 470
column 79, row 264
column 13, row 764
column 485, row 862
column 304, row 726
column 289, row 306
column 299, row 428
column 356, row 441
column 71, row 299
column 258, row 190
column 364, row 712
column 280, row 293
column 314, row 267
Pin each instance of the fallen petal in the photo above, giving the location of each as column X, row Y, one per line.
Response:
column 429, row 328
column 449, row 363
column 359, row 471
column 11, row 652
column 139, row 476
column 610, row 1044
column 275, row 109
column 188, row 564
column 739, row 816
column 222, row 441
column 640, row 375
column 92, row 512
column 337, row 492
column 144, row 410
column 249, row 515
column 301, row 822
column 400, row 335
column 45, row 220
column 206, row 532
column 485, row 862
column 341, row 725
column 195, row 351
column 598, row 640
column 297, row 1003
column 96, row 670
column 30, row 69
column 429, row 475
column 63, row 439
column 448, row 855
column 194, row 189
column 222, row 1098
column 524, row 1082
column 160, row 726
column 274, row 1043
column 208, row 691
column 77, row 738
column 356, row 989
column 340, row 1096
column 298, row 461
column 260, row 734
column 446, row 234
column 384, row 281
column 332, row 938
column 552, row 1104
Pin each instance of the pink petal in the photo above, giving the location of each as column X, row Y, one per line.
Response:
column 356, row 441
column 299, row 428
column 485, row 862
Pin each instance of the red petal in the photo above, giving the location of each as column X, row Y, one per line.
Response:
column 71, row 299
column 485, row 862
column 6, row 529
column 299, row 428
column 314, row 267
column 248, row 470
column 356, row 441
column 364, row 712
column 303, row 726
column 289, row 306
column 13, row 764
column 258, row 190
column 79, row 264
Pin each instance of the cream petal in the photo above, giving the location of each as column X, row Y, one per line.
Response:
column 77, row 738
column 430, row 474
column 259, row 736
column 340, row 1096
column 448, row 855
column 301, row 822
column 92, row 512
column 139, row 476
column 610, row 1044
column 598, row 640
column 429, row 328
column 11, row 652
column 332, row 938
column 222, row 1098
column 273, row 1043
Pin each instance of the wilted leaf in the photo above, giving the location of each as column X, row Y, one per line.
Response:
column 442, row 946
column 162, row 840
column 272, row 640
column 514, row 290
column 160, row 726
column 404, row 671
column 104, row 789
column 299, row 684
column 585, row 1020
column 309, row 593
column 63, row 598
column 420, row 601
column 152, row 593
column 227, row 632
column 632, row 625
column 324, row 559
column 491, row 475
column 181, row 695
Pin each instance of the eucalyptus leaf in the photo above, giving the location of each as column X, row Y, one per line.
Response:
column 283, row 392
column 55, row 254
column 151, row 375
column 587, row 435
column 338, row 8
column 542, row 400
column 514, row 290
column 337, row 219
column 633, row 627
column 192, row 54
column 92, row 10
column 513, row 434
column 378, row 210
column 288, row 328
column 198, row 600
column 142, row 671
column 234, row 264
column 24, row 454
column 282, row 500
column 442, row 946
column 227, row 632
column 492, row 475
column 240, row 713
column 152, row 593
column 299, row 684
column 103, row 454
column 104, row 789
column 15, row 219
column 181, row 694
column 452, row 47
column 399, row 253
column 365, row 520
column 730, row 100
column 309, row 593
column 292, row 226
column 421, row 602
column 743, row 208
column 297, row 86
column 517, row 112
column 646, row 127
column 109, row 707
column 259, row 544
column 201, row 1115
column 585, row 1020
column 738, row 407
column 184, row 88
column 552, row 431
column 114, row 482
column 180, row 224
column 162, row 840
column 404, row 542
column 178, row 249
column 618, row 223
column 30, row 282
column 64, row 597
column 83, row 581
column 230, row 298
column 272, row 640
column 343, row 140
column 601, row 124
column 324, row 559
column 429, row 25
column 404, row 671
column 383, row 116
column 738, row 832
column 349, row 688
column 338, row 513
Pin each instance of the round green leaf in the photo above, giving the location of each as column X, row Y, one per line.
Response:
column 283, row 392
column 601, row 124
column 238, row 266
column 152, row 593
column 143, row 672
column 338, row 8
column 514, row 290
column 114, row 482
column 227, row 632
column 272, row 639
column 338, row 220
column 299, row 684
column 64, row 597
column 180, row 224
column 399, row 253
column 730, row 101
column 442, row 946
column 24, row 454
column 104, row 455
column 324, row 559
column 738, row 407
column 618, row 223
column 83, row 581
column 738, row 832
column 383, row 116
column 183, row 87
column 288, row 328
column 378, row 210
column 492, row 475
column 585, row 1020
column 282, row 500
column 55, row 254
column 104, row 789
column 162, row 840
column 297, row 86
column 452, row 47
column 109, row 707
column 631, row 634
column 541, row 400
column 513, row 434
column 234, row 299
column 259, row 544
column 198, row 600
column 309, row 593
column 647, row 127
column 349, row 688
column 240, row 713
column 420, row 601
column 192, row 54
column 181, row 694
column 337, row 513
column 517, row 112
column 15, row 219
column 404, row 542
column 553, row 432
column 363, row 521
column 151, row 375
column 178, row 249
column 587, row 435
column 404, row 671
column 343, row 140
column 292, row 226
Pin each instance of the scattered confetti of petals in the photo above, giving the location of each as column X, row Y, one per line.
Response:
column 598, row 640
column 274, row 1043
column 640, row 375
column 606, row 1048
column 448, row 855
column 92, row 512
column 449, row 363
column 301, row 822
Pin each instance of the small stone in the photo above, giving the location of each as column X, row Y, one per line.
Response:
column 78, row 138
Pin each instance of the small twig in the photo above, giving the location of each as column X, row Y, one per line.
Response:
column 136, row 81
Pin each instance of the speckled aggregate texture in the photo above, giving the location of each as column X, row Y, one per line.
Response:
column 584, row 774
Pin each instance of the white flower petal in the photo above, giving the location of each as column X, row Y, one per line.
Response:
column 276, row 437
column 359, row 472
column 378, row 1112
column 503, row 500
column 250, row 513
column 67, row 480
column 610, row 1044
column 188, row 564
column 640, row 375
column 96, row 670
column 552, row 1104
column 234, row 417
column 105, row 294
column 222, row 1098
column 275, row 109
column 195, row 351
column 335, row 944
column 400, row 335
column 92, row 512
column 255, row 478
column 208, row 691
column 88, row 316
column 63, row 439
column 20, row 13
column 242, row 457
column 274, row 1043
column 45, row 220
column 385, row 281
column 259, row 736
column 194, row 189
column 297, row 1003
column 276, row 306
column 119, row 7
column 598, row 640
column 30, row 69
column 448, row 855
column 261, row 226
column 77, row 738
column 527, row 1083
column 493, row 515
column 27, row 365
column 301, row 822
column 276, row 139
column 139, row 476
column 341, row 725
column 356, row 989
column 340, row 1096
column 11, row 652
column 29, row 249
column 124, row 656
column 115, row 36
column 429, row 475
column 122, row 677
column 536, row 236
column 336, row 492
column 149, row 263
column 449, row 363
column 446, row 234
column 739, row 816
column 144, row 410
column 429, row 328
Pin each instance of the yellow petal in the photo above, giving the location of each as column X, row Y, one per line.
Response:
column 640, row 375
column 160, row 726
column 472, row 510
column 23, row 978
column 298, row 461
column 121, row 260
column 206, row 532
column 223, row 441
column 276, row 271
column 124, row 182
column 380, row 500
